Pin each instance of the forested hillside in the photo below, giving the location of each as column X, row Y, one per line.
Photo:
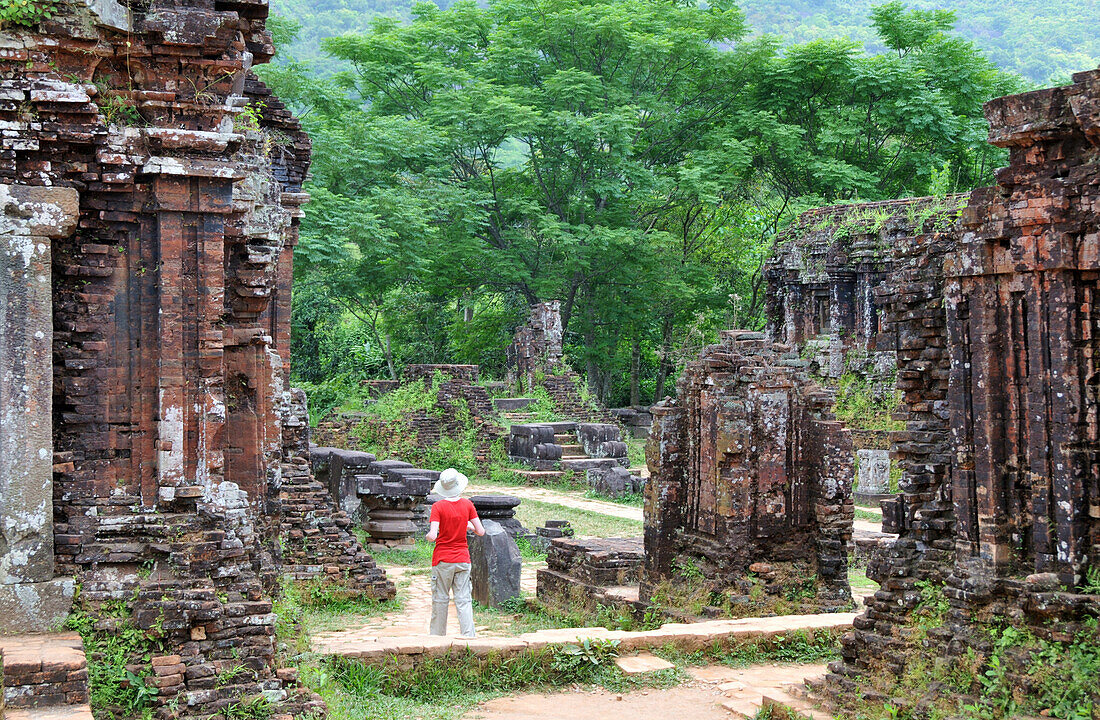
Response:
column 633, row 159
column 1040, row 39
column 1043, row 40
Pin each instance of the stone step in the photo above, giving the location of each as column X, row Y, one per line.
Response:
column 565, row 438
column 642, row 663
column 44, row 671
column 741, row 707
column 366, row 645
column 538, row 477
column 587, row 463
column 781, row 699
column 574, row 456
column 572, row 449
column 506, row 405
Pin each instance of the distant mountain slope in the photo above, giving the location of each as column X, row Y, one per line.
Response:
column 1042, row 40
column 325, row 18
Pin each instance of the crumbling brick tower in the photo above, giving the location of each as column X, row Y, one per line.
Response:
column 150, row 189
column 751, row 480
column 1000, row 502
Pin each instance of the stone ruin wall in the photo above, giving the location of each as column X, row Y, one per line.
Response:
column 996, row 327
column 750, row 482
column 461, row 401
column 824, row 278
column 156, row 229
column 536, row 359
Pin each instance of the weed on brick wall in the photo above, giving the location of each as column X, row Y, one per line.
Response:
column 26, row 12
column 1000, row 672
column 113, row 645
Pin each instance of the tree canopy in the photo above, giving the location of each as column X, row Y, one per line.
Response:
column 630, row 158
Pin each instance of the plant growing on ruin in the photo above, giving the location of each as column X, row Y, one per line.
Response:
column 26, row 12
column 580, row 661
column 931, row 611
column 115, row 691
column 1090, row 585
column 249, row 118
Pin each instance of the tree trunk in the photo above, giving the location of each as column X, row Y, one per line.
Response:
column 635, row 372
column 664, row 367
column 389, row 357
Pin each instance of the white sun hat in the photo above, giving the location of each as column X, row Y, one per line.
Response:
column 450, row 484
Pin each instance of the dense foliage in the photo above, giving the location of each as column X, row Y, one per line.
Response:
column 633, row 159
column 1043, row 40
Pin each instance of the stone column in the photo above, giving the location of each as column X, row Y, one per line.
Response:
column 30, row 217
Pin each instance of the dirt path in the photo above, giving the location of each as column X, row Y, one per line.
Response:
column 575, row 500
column 712, row 693
column 415, row 589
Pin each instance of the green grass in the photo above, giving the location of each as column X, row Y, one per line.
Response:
column 535, row 513
column 635, row 451
column 416, row 555
column 871, row 515
column 858, row 579
column 307, row 608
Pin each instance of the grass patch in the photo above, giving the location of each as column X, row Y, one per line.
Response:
column 871, row 515
column 629, row 499
column 635, row 450
column 303, row 609
column 418, row 554
column 797, row 647
column 857, row 578
column 535, row 513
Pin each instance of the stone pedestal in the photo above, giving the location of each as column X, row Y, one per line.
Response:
column 874, row 473
column 500, row 509
column 31, row 598
column 390, row 492
column 495, row 565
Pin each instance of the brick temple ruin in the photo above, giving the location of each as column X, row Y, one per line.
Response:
column 996, row 322
column 151, row 448
column 750, row 487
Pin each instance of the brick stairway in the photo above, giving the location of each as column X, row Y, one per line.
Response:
column 45, row 677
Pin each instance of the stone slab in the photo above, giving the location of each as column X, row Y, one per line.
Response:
column 35, row 607
column 642, row 663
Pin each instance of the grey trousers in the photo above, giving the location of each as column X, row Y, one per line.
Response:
column 448, row 577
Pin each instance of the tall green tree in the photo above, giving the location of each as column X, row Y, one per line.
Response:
column 633, row 159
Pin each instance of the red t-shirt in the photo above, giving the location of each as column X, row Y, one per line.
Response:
column 452, row 516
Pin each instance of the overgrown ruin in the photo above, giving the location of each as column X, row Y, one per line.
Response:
column 998, row 514
column 152, row 191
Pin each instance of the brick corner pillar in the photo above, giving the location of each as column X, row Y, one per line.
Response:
column 31, row 597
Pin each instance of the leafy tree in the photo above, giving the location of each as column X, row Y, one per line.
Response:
column 633, row 159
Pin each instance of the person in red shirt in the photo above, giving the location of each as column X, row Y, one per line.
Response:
column 451, row 517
